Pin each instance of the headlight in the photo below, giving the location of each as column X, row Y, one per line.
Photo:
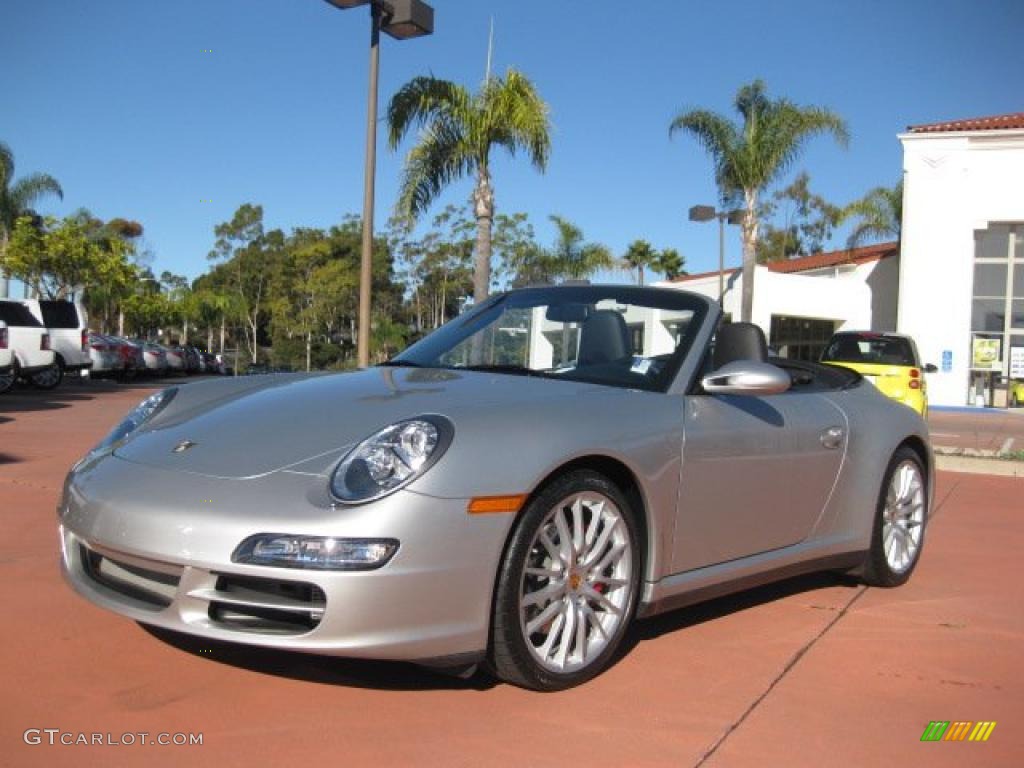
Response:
column 322, row 553
column 390, row 459
column 138, row 416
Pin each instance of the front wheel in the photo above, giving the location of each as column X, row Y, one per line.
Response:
column 49, row 378
column 900, row 519
column 568, row 585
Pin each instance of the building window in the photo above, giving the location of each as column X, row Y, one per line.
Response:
column 997, row 297
column 800, row 338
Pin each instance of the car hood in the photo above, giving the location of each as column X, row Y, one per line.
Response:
column 258, row 425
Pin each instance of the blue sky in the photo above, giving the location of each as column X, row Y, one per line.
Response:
column 119, row 100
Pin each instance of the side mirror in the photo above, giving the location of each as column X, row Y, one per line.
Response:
column 746, row 377
column 930, row 368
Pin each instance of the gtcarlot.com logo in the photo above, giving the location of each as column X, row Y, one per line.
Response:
column 57, row 737
column 958, row 730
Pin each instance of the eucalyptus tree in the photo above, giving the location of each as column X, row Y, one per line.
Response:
column 459, row 130
column 752, row 154
column 16, row 200
column 878, row 215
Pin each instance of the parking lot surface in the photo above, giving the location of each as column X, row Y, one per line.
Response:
column 816, row 671
column 986, row 430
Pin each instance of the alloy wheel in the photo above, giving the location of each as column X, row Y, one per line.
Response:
column 903, row 516
column 576, row 586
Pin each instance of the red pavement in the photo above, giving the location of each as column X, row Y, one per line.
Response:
column 817, row 671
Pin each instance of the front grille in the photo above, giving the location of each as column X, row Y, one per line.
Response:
column 266, row 606
column 138, row 579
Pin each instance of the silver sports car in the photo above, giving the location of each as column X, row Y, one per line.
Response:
column 512, row 490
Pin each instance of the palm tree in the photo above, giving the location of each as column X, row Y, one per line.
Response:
column 639, row 255
column 16, row 199
column 749, row 156
column 573, row 258
column 670, row 263
column 459, row 131
column 879, row 215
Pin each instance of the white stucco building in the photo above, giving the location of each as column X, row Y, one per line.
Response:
column 956, row 282
column 800, row 303
column 962, row 275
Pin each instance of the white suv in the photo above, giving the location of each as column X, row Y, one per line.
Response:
column 6, row 360
column 69, row 338
column 27, row 339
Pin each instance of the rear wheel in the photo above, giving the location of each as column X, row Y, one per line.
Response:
column 49, row 378
column 902, row 513
column 7, row 379
column 568, row 585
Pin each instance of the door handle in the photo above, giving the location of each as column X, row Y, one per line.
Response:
column 833, row 437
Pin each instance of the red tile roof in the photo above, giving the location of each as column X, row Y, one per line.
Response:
column 992, row 123
column 836, row 258
column 862, row 255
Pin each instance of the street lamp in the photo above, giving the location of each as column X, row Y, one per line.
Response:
column 401, row 19
column 707, row 213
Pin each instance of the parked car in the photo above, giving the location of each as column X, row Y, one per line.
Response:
column 888, row 360
column 28, row 341
column 154, row 357
column 210, row 365
column 131, row 356
column 7, row 374
column 176, row 360
column 1016, row 393
column 514, row 488
column 192, row 361
column 105, row 356
column 67, row 325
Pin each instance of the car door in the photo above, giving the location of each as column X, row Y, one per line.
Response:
column 756, row 473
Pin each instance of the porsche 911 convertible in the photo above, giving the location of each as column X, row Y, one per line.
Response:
column 513, row 490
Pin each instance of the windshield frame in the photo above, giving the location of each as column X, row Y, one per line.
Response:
column 431, row 347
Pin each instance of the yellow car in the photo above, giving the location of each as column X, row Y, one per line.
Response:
column 888, row 360
column 1016, row 393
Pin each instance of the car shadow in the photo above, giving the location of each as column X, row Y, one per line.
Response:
column 325, row 670
column 720, row 607
column 401, row 676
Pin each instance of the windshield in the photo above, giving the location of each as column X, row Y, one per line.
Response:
column 870, row 349
column 612, row 335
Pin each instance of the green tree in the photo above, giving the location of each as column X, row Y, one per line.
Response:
column 56, row 257
column 16, row 200
column 639, row 255
column 878, row 215
column 249, row 254
column 670, row 263
column 460, row 130
column 806, row 222
column 750, row 155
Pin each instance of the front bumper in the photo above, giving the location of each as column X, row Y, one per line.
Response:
column 155, row 546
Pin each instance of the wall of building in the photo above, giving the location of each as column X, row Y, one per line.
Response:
column 854, row 297
column 954, row 184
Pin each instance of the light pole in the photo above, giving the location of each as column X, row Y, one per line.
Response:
column 401, row 19
column 707, row 213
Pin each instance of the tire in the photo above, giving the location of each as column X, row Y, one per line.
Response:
column 545, row 657
column 901, row 517
column 49, row 378
column 8, row 380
